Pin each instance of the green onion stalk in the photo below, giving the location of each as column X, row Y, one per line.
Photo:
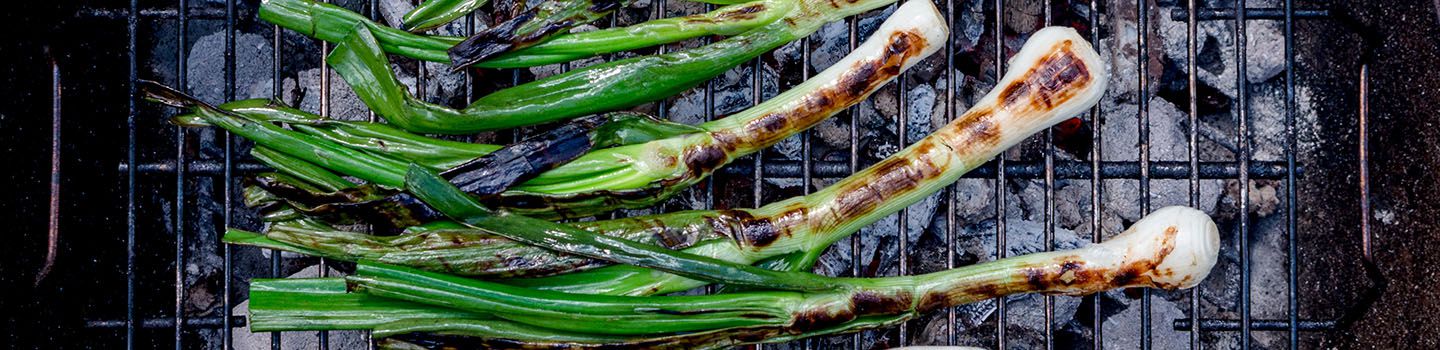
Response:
column 333, row 23
column 1172, row 248
column 360, row 59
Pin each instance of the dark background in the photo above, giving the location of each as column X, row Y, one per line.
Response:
column 1398, row 39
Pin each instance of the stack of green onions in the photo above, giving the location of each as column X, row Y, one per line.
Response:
column 631, row 176
column 794, row 231
column 470, row 265
column 1172, row 248
column 596, row 88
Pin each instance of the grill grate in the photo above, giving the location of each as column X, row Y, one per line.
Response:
column 1095, row 169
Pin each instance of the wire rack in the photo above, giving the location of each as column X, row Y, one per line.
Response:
column 139, row 319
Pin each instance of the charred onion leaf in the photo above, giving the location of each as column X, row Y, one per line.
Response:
column 359, row 58
column 529, row 28
column 498, row 171
column 491, row 174
column 385, row 208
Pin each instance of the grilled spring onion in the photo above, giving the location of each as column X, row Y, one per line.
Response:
column 360, row 60
column 333, row 23
column 636, row 175
column 1172, row 248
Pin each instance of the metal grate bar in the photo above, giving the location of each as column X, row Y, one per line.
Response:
column 165, row 13
column 1000, row 320
column 1191, row 48
column 130, row 26
column 276, row 93
column 1225, row 325
column 788, row 169
column 950, row 191
column 1364, row 161
column 805, row 157
column 168, row 322
column 323, row 337
column 661, row 109
column 1142, row 43
column 853, row 166
column 757, row 96
column 226, row 304
column 710, row 116
column 1096, row 184
column 1243, row 144
column 182, row 83
column 1216, row 14
column 52, row 231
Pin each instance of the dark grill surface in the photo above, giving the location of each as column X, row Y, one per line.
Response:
column 197, row 173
